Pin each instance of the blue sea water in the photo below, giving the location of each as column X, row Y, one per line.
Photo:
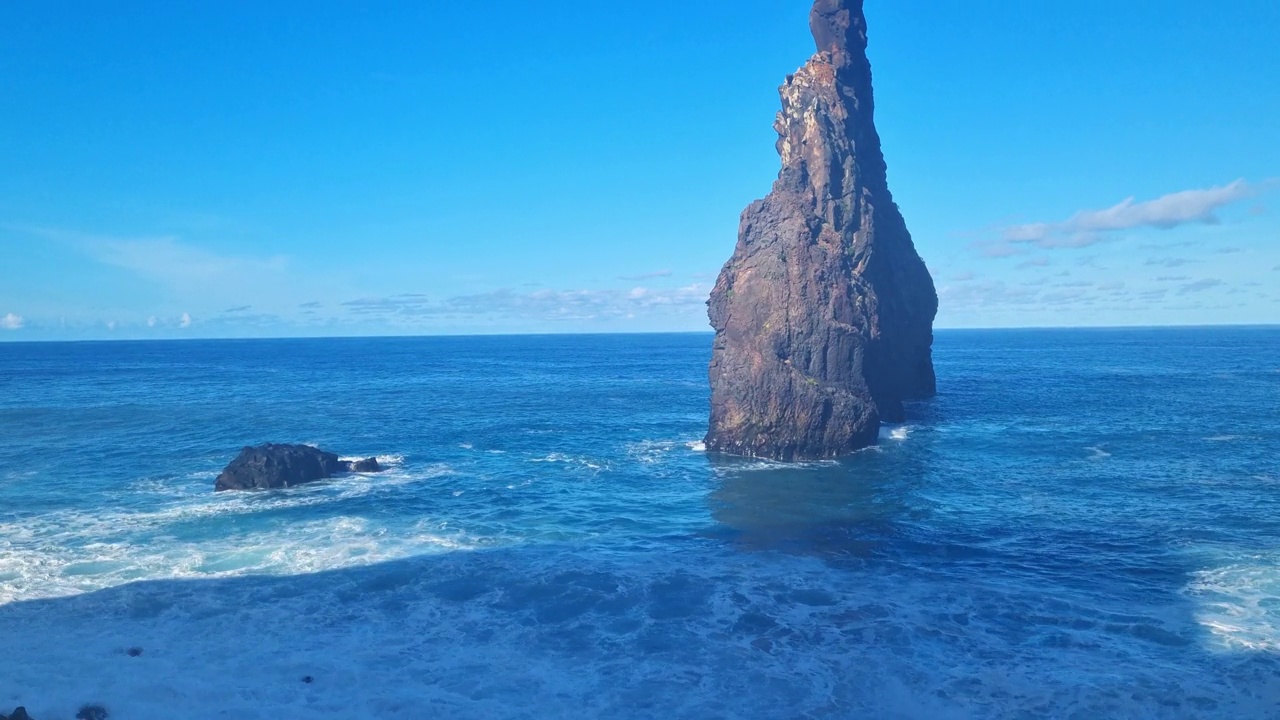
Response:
column 1083, row 524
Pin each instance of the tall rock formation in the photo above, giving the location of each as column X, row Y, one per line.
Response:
column 824, row 314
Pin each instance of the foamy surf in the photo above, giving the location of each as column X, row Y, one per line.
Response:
column 1239, row 604
column 896, row 433
column 387, row 461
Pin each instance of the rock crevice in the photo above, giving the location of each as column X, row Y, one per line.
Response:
column 824, row 314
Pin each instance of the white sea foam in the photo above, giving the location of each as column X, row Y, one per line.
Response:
column 895, row 432
column 383, row 460
column 1239, row 603
column 71, row 551
column 658, row 451
column 1097, row 453
column 762, row 465
column 573, row 462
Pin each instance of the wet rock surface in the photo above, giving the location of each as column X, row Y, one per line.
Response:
column 274, row 466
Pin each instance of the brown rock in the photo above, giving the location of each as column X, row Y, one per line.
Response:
column 824, row 314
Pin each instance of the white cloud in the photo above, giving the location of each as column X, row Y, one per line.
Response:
column 151, row 321
column 185, row 321
column 12, row 322
column 1089, row 227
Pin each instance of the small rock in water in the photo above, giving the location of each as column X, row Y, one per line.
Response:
column 273, row 466
column 368, row 465
column 92, row 712
column 134, row 651
column 308, row 679
column 19, row 713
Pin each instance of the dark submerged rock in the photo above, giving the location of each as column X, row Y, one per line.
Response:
column 19, row 713
column 92, row 712
column 824, row 313
column 281, row 466
column 368, row 465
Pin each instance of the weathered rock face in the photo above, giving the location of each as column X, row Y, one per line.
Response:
column 281, row 466
column 824, row 314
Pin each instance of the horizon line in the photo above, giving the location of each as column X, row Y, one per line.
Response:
column 1238, row 326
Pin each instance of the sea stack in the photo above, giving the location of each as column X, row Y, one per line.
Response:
column 824, row 314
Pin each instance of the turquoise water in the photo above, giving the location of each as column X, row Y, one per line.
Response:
column 1083, row 524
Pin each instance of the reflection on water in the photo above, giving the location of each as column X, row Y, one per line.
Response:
column 847, row 507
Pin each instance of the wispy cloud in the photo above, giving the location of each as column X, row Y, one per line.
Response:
column 403, row 304
column 1169, row 262
column 185, row 320
column 1089, row 227
column 646, row 276
column 537, row 305
column 172, row 262
column 206, row 278
column 578, row 304
column 1200, row 286
column 12, row 321
column 238, row 309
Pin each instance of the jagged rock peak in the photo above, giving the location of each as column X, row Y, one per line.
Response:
column 839, row 27
column 824, row 313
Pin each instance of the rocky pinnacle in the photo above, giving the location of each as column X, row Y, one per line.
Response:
column 824, row 314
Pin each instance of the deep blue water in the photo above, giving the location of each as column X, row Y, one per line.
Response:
column 1083, row 524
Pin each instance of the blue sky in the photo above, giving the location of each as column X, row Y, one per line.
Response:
column 277, row 169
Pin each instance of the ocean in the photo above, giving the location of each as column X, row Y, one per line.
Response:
column 1083, row 524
